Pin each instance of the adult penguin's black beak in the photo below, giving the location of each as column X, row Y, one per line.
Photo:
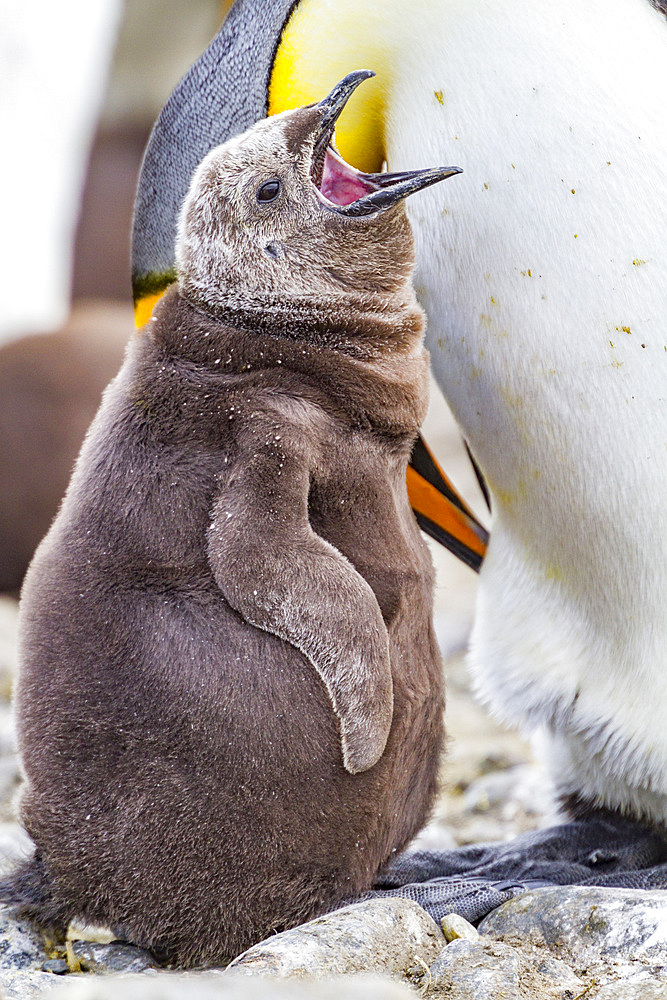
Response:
column 347, row 190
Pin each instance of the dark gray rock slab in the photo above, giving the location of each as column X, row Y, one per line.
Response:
column 587, row 925
column 387, row 936
column 103, row 959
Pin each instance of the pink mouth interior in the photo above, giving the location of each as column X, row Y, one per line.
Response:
column 341, row 183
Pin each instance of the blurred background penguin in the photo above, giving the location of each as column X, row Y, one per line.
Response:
column 81, row 90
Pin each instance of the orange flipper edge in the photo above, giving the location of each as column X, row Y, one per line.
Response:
column 440, row 511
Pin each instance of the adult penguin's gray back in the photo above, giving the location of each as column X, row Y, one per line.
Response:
column 230, row 694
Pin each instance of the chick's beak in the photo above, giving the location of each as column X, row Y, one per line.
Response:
column 349, row 191
column 333, row 104
column 393, row 188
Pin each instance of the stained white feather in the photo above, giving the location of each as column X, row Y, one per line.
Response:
column 543, row 269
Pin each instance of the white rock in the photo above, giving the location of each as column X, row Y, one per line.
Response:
column 589, row 924
column 455, row 927
column 18, row 984
column 387, row 936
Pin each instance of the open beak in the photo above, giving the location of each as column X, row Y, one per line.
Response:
column 347, row 190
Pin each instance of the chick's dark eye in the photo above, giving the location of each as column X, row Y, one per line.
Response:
column 268, row 191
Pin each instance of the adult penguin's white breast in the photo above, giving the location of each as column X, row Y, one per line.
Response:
column 543, row 272
column 544, row 276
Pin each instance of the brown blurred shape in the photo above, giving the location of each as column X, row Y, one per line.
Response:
column 50, row 384
column 102, row 248
column 50, row 387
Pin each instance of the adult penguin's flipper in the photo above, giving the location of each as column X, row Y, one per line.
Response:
column 440, row 511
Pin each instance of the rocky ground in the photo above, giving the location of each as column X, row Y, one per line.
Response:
column 558, row 944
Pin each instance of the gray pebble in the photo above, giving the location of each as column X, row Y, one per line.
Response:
column 57, row 966
column 454, row 926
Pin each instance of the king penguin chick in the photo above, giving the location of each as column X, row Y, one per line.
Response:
column 549, row 342
column 230, row 695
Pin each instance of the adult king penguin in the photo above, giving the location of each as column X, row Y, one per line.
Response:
column 546, row 295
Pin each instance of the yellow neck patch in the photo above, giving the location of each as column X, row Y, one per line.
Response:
column 144, row 307
column 321, row 43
